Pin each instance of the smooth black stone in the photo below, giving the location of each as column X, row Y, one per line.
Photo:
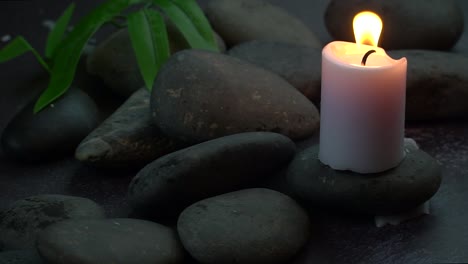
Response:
column 245, row 20
column 123, row 241
column 247, row 226
column 299, row 65
column 200, row 95
column 114, row 60
column 437, row 84
column 53, row 132
column 415, row 24
column 20, row 257
column 405, row 187
column 128, row 138
column 173, row 182
column 20, row 224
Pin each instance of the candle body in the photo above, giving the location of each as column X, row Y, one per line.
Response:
column 362, row 109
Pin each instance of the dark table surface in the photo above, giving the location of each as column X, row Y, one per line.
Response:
column 441, row 237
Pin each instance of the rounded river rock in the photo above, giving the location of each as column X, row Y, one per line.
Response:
column 230, row 163
column 123, row 241
column 245, row 20
column 298, row 64
column 247, row 226
column 200, row 95
column 415, row 24
column 414, row 181
column 20, row 224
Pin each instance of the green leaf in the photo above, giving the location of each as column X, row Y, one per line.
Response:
column 185, row 26
column 68, row 54
column 57, row 33
column 198, row 18
column 18, row 47
column 150, row 42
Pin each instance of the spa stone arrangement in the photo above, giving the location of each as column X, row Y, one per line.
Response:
column 225, row 148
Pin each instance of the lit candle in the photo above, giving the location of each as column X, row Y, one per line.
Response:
column 362, row 102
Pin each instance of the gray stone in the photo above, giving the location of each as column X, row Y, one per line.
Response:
column 123, row 241
column 127, row 138
column 247, row 226
column 414, row 181
column 245, row 20
column 175, row 181
column 299, row 65
column 437, row 86
column 53, row 132
column 202, row 95
column 20, row 224
column 20, row 257
column 416, row 24
column 114, row 60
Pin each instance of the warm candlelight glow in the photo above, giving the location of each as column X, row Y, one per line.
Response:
column 367, row 28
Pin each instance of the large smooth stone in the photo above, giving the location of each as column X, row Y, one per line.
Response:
column 300, row 65
column 114, row 60
column 247, row 226
column 245, row 20
column 414, row 181
column 179, row 179
column 127, row 138
column 437, row 86
column 53, row 132
column 20, row 257
column 415, row 24
column 200, row 95
column 20, row 224
column 123, row 241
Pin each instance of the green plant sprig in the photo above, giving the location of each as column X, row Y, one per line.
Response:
column 147, row 30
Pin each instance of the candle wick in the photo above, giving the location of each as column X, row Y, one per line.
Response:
column 364, row 59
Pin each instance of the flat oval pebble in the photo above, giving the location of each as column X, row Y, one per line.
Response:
column 247, row 226
column 128, row 138
column 114, row 60
column 437, row 84
column 300, row 65
column 415, row 24
column 21, row 257
column 245, row 20
column 123, row 241
column 20, row 224
column 53, row 132
column 200, row 95
column 403, row 188
column 230, row 163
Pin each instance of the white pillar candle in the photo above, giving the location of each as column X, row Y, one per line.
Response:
column 362, row 106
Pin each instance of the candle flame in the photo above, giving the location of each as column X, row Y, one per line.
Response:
column 367, row 28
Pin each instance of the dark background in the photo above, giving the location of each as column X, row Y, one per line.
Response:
column 441, row 237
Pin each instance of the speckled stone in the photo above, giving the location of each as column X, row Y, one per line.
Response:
column 300, row 65
column 200, row 95
column 123, row 241
column 173, row 182
column 405, row 187
column 128, row 138
column 20, row 224
column 247, row 226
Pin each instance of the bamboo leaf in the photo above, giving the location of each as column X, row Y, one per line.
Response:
column 142, row 42
column 162, row 50
column 18, row 47
column 198, row 18
column 68, row 54
column 185, row 26
column 56, row 34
